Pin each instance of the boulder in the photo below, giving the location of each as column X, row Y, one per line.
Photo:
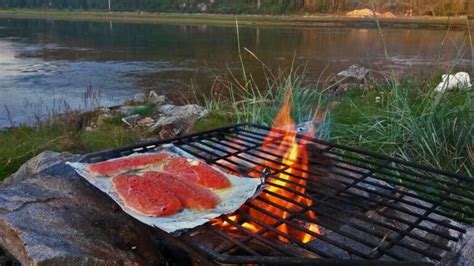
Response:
column 355, row 72
column 57, row 218
column 460, row 80
column 38, row 164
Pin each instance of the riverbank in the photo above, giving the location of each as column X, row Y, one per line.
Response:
column 136, row 120
column 260, row 20
column 405, row 119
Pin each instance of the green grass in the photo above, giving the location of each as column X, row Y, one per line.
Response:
column 404, row 119
column 144, row 110
column 19, row 144
column 213, row 120
column 409, row 120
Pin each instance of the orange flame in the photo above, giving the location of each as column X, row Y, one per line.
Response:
column 289, row 182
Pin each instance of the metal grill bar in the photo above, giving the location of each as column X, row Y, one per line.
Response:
column 385, row 165
column 409, row 203
column 358, row 227
column 232, row 240
column 289, row 222
column 402, row 184
column 435, row 256
column 252, row 134
column 350, row 185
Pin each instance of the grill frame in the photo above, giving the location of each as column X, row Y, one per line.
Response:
column 186, row 242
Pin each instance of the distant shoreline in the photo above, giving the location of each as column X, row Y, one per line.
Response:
column 255, row 20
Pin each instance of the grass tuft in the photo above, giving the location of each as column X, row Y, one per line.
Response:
column 19, row 144
column 411, row 122
column 405, row 119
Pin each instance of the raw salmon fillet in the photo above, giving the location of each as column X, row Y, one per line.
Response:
column 196, row 172
column 146, row 196
column 123, row 165
column 190, row 195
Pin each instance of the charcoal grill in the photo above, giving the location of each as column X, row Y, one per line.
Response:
column 371, row 208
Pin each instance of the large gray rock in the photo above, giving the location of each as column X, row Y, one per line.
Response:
column 38, row 164
column 56, row 218
column 462, row 253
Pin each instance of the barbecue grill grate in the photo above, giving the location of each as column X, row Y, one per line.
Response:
column 369, row 206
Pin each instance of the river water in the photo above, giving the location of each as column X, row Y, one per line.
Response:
column 48, row 66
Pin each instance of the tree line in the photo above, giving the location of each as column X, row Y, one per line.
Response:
column 415, row 7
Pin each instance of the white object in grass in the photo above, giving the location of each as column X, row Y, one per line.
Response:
column 460, row 80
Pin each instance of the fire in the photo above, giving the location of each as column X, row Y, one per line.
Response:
column 287, row 181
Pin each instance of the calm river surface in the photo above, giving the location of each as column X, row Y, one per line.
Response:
column 45, row 63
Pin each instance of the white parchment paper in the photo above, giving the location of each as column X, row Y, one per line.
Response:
column 231, row 198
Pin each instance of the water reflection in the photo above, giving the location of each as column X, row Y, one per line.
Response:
column 40, row 58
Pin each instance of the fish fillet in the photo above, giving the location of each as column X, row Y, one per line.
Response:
column 196, row 172
column 146, row 196
column 123, row 165
column 190, row 195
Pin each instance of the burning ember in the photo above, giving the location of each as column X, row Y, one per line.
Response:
column 284, row 188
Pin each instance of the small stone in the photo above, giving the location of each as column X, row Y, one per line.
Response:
column 169, row 131
column 132, row 120
column 89, row 129
column 163, row 121
column 140, row 97
column 102, row 118
column 153, row 97
column 355, row 71
column 146, row 122
column 190, row 110
column 175, row 120
column 126, row 110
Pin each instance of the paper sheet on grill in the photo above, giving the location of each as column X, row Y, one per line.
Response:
column 231, row 199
